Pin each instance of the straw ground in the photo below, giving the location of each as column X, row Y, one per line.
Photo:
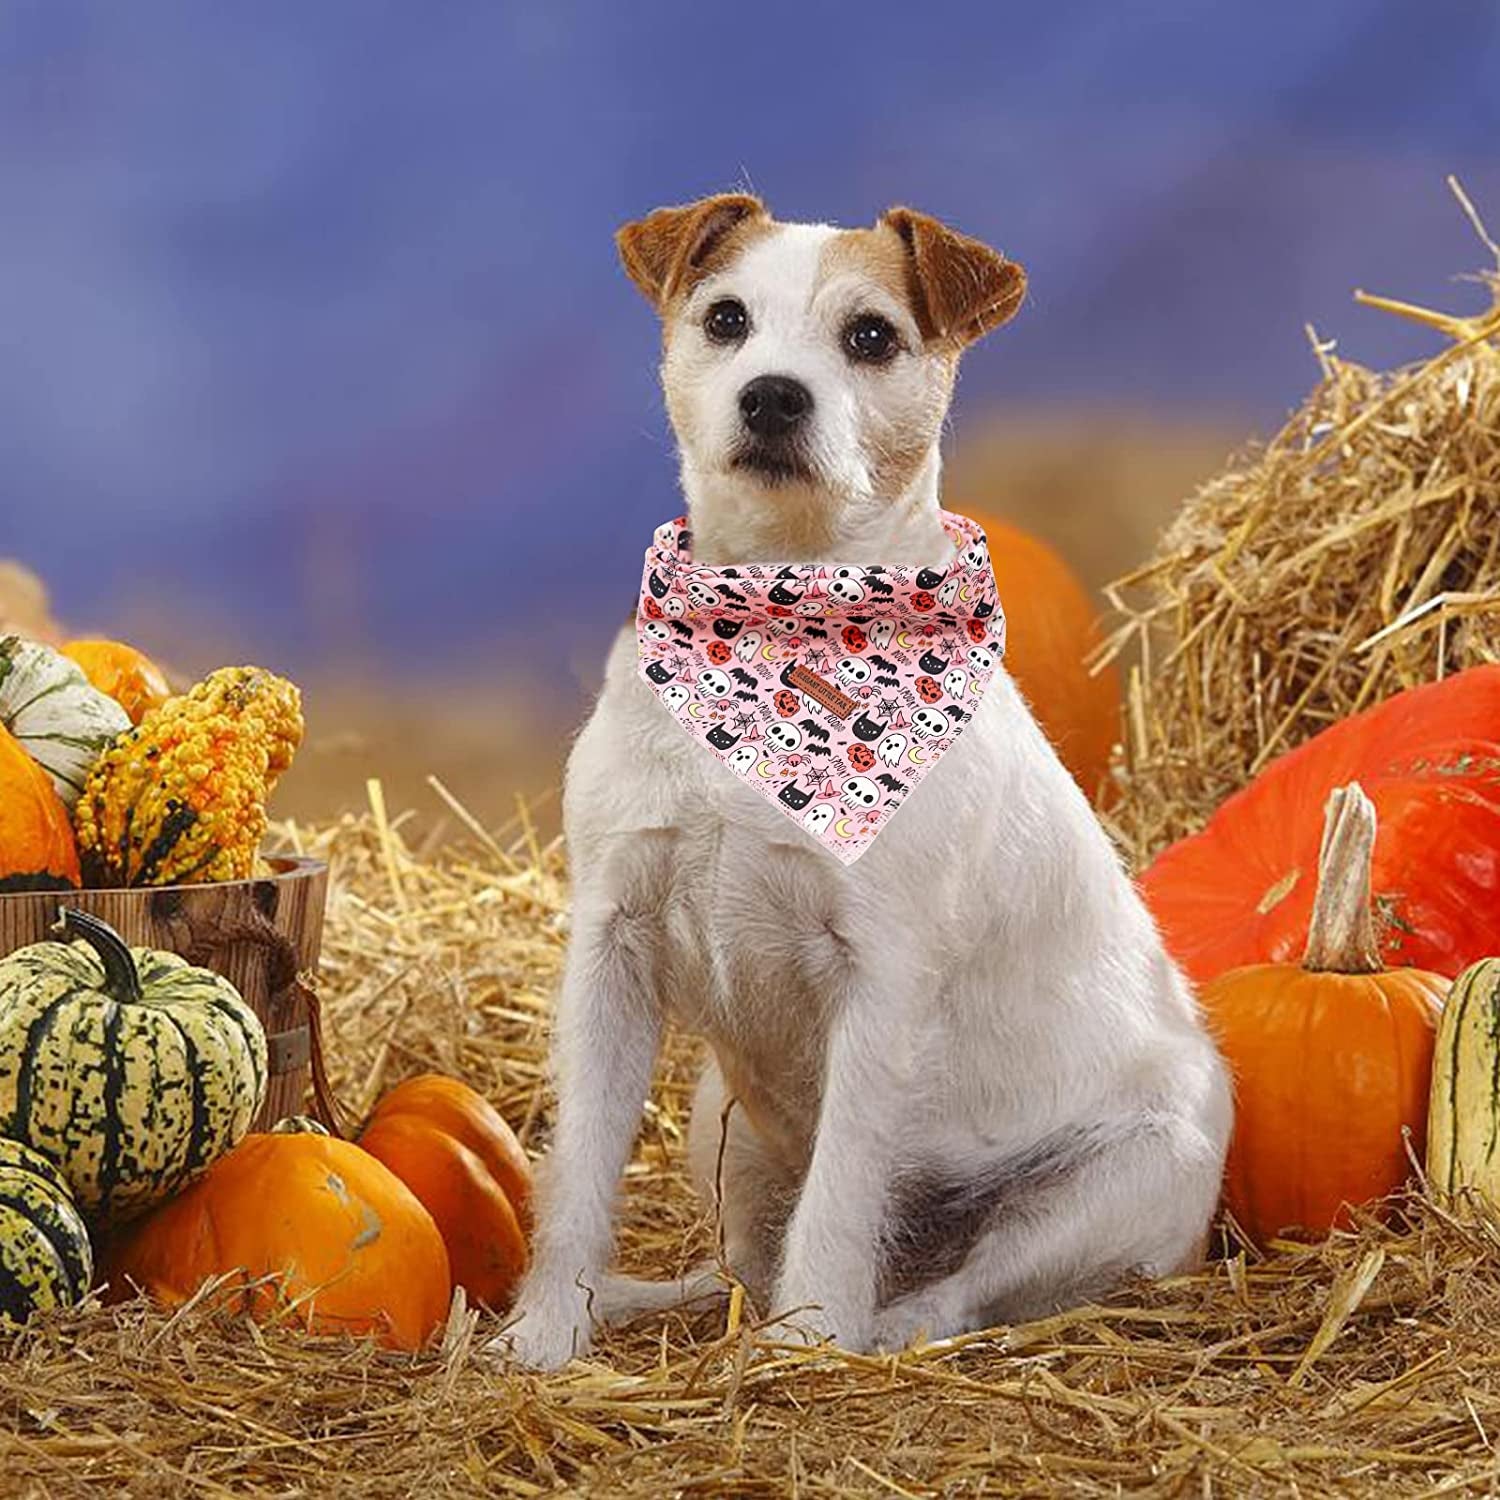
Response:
column 1363, row 1367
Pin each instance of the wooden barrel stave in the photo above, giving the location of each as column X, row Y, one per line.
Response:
column 260, row 934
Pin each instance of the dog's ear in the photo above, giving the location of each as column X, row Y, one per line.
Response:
column 961, row 289
column 668, row 250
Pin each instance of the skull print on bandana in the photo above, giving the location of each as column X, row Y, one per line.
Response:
column 831, row 691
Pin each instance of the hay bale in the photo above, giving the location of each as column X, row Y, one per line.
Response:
column 1355, row 554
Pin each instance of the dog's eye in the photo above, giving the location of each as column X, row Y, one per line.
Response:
column 727, row 322
column 870, row 338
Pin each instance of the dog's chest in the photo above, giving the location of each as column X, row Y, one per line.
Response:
column 753, row 915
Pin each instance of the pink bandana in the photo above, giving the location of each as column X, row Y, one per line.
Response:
column 831, row 691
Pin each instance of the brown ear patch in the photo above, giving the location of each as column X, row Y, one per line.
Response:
column 670, row 250
column 959, row 287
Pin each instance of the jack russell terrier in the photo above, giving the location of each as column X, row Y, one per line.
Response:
column 958, row 1082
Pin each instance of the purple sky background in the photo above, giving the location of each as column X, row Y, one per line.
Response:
column 310, row 321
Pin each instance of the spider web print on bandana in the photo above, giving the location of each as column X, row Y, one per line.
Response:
column 830, row 691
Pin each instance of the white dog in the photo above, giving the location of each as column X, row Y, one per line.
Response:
column 968, row 1084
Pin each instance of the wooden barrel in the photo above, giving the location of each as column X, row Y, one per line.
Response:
column 261, row 935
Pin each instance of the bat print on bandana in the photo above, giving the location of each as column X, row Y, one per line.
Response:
column 816, row 685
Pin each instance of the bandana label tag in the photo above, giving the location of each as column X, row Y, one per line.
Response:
column 828, row 696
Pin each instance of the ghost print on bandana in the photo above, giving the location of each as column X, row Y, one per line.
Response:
column 830, row 691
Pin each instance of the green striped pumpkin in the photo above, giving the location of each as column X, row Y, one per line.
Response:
column 130, row 1070
column 1463, row 1116
column 45, row 1257
column 60, row 719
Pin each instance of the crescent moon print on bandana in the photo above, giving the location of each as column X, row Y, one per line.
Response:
column 830, row 691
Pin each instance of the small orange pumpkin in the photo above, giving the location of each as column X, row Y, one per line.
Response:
column 37, row 849
column 451, row 1147
column 1332, row 1058
column 333, row 1240
column 121, row 672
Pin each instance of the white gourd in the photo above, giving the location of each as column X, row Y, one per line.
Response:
column 59, row 718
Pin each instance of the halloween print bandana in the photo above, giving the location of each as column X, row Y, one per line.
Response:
column 830, row 691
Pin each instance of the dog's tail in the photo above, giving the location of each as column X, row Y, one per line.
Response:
column 618, row 1299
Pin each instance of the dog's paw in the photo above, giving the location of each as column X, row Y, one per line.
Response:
column 907, row 1325
column 797, row 1331
column 810, row 1326
column 543, row 1335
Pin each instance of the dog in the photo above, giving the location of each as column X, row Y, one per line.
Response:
column 958, row 1083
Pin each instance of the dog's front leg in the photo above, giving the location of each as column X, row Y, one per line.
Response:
column 607, row 1032
column 831, row 1260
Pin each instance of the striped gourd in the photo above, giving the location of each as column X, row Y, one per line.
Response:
column 45, row 1257
column 299, row 1125
column 60, row 719
column 1463, row 1120
column 130, row 1070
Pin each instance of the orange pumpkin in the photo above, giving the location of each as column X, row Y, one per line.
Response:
column 451, row 1147
column 1240, row 891
column 335, row 1241
column 1051, row 627
column 1332, row 1058
column 37, row 849
column 121, row 672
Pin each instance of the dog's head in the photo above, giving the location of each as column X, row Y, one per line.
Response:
column 806, row 365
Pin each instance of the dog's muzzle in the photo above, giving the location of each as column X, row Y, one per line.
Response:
column 774, row 411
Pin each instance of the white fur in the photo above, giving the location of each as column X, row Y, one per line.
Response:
column 983, row 979
column 797, row 314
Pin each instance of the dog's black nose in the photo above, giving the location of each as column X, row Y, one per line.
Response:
column 772, row 405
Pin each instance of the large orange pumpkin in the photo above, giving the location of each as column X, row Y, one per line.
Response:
column 121, row 672
column 1051, row 626
column 451, row 1147
column 1241, row 891
column 1332, row 1057
column 37, row 849
column 331, row 1237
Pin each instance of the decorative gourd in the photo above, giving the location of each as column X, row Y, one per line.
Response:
column 299, row 1125
column 121, row 672
column 344, row 1243
column 1241, row 891
column 1332, row 1058
column 1051, row 628
column 451, row 1147
column 37, row 852
column 59, row 718
column 127, row 1068
column 45, row 1257
column 181, row 798
column 1463, row 1126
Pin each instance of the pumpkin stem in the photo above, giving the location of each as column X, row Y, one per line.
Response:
column 1341, row 934
column 122, row 981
